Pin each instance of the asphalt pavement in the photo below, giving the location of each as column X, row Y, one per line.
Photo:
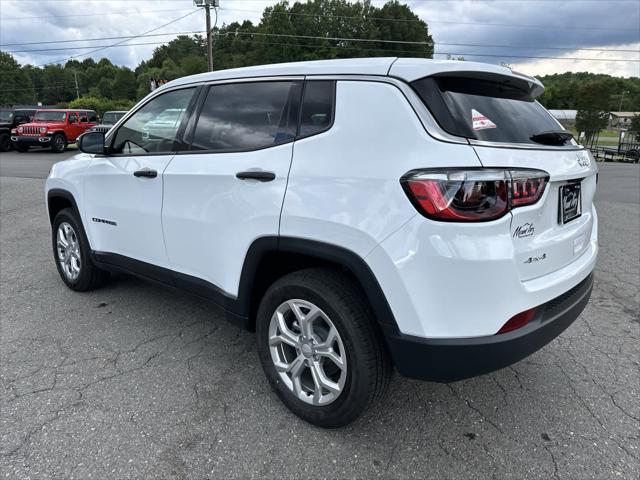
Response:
column 138, row 381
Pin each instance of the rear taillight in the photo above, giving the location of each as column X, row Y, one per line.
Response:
column 473, row 195
column 518, row 321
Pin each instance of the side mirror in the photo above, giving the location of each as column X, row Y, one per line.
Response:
column 92, row 142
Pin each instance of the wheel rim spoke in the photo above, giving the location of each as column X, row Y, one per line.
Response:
column 320, row 379
column 331, row 355
column 286, row 334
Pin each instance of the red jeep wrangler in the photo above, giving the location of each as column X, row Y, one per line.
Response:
column 53, row 128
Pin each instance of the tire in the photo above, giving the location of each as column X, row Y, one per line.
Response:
column 359, row 345
column 5, row 142
column 58, row 143
column 86, row 276
column 633, row 155
column 21, row 147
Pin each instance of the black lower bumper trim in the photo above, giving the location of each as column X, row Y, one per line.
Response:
column 32, row 141
column 448, row 360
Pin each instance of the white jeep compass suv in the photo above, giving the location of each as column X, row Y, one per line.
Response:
column 358, row 214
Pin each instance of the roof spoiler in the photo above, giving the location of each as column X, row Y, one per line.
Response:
column 530, row 85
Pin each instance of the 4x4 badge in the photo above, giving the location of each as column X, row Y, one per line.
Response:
column 536, row 259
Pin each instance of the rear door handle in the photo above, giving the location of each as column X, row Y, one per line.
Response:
column 259, row 175
column 146, row 173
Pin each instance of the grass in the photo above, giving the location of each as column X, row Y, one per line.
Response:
column 607, row 138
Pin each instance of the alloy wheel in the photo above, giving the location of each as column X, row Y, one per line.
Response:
column 307, row 352
column 68, row 248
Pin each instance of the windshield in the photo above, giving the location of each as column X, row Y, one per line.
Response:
column 484, row 110
column 111, row 118
column 50, row 116
column 6, row 115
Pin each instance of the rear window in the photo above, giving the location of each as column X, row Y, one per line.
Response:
column 484, row 110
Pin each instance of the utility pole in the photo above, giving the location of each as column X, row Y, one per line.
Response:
column 75, row 75
column 621, row 99
column 207, row 4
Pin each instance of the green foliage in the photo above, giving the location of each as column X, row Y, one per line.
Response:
column 100, row 105
column 592, row 105
column 635, row 124
column 19, row 88
column 562, row 91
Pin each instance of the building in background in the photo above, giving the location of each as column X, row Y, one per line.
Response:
column 621, row 119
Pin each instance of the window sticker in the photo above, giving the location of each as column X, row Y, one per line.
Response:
column 480, row 122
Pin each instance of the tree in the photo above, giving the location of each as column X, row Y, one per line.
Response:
column 100, row 105
column 15, row 84
column 593, row 111
column 124, row 85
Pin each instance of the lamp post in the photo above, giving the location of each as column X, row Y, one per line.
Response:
column 207, row 4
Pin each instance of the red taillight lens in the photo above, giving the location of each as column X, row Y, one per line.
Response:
column 473, row 195
column 527, row 186
column 518, row 321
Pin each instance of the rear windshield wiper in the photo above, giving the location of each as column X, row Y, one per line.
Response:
column 552, row 137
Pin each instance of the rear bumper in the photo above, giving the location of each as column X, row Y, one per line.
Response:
column 448, row 360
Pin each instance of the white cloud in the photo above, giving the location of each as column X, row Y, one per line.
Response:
column 630, row 68
column 564, row 24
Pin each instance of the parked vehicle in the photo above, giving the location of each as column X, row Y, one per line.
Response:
column 54, row 128
column 358, row 214
column 9, row 119
column 163, row 126
column 108, row 120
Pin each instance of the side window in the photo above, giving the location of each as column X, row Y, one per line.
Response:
column 154, row 128
column 73, row 118
column 317, row 107
column 245, row 116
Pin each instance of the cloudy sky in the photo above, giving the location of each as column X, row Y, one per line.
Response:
column 601, row 36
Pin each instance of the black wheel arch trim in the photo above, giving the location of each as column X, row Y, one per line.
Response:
column 343, row 257
column 67, row 195
column 239, row 309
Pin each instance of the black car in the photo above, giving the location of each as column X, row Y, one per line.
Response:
column 109, row 120
column 11, row 118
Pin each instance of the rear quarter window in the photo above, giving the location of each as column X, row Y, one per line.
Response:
column 316, row 115
column 484, row 110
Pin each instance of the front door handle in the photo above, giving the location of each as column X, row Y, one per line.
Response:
column 259, row 175
column 146, row 173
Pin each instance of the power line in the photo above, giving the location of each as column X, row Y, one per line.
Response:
column 191, row 32
column 38, row 89
column 341, row 39
column 435, row 53
column 101, row 38
column 103, row 14
column 118, row 43
column 468, row 54
column 364, row 49
column 427, row 21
